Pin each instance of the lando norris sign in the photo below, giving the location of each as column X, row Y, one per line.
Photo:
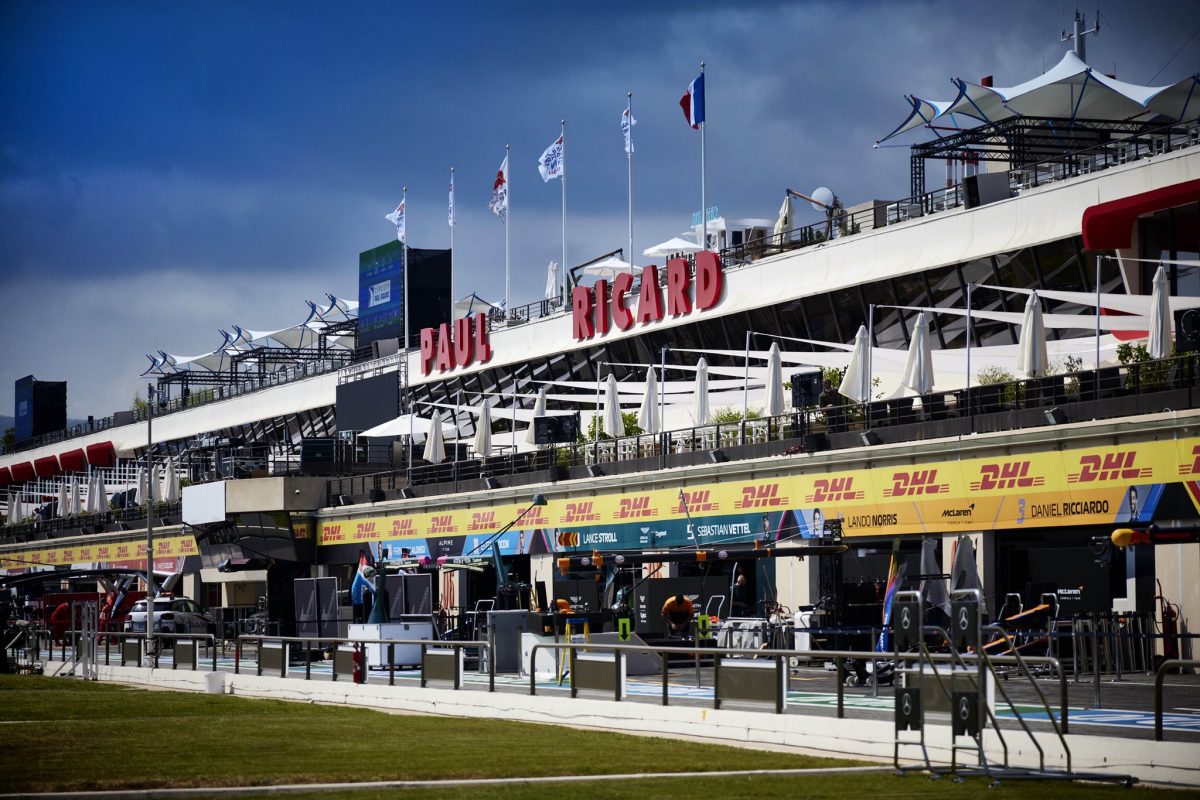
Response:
column 1094, row 486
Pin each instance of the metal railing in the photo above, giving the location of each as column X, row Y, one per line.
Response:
column 1161, row 674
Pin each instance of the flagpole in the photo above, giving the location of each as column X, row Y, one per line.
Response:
column 452, row 295
column 563, row 133
column 507, row 214
column 703, row 200
column 404, row 241
column 629, row 165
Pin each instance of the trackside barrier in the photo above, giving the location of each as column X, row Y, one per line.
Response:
column 1158, row 690
column 132, row 645
column 433, row 664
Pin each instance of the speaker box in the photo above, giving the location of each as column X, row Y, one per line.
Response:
column 806, row 389
column 555, row 430
column 1187, row 330
column 815, row 442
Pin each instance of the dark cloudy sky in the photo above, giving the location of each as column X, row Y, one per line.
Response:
column 168, row 169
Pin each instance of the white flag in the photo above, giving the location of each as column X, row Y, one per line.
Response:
column 450, row 209
column 551, row 163
column 397, row 219
column 627, row 123
column 499, row 202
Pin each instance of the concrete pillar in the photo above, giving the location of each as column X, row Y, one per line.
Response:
column 1177, row 567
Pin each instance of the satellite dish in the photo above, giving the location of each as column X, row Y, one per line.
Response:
column 822, row 198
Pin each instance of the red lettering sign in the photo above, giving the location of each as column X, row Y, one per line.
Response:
column 636, row 508
column 601, row 312
column 579, row 512
column 1007, row 475
column 918, row 482
column 482, row 521
column 622, row 316
column 462, row 341
column 834, row 490
column 650, row 298
column 1194, row 467
column 762, row 495
column 427, row 347
column 439, row 350
column 1109, row 467
column 678, row 280
column 402, row 526
column 333, row 533
column 581, row 313
column 445, row 351
column 690, row 502
column 442, row 524
column 709, row 279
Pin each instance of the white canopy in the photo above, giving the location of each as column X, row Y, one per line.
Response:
column 1071, row 89
column 607, row 269
column 403, row 425
column 472, row 304
column 672, row 247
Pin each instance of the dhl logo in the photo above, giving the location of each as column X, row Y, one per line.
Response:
column 1194, row 467
column 332, row 533
column 52, row 557
column 300, row 532
column 535, row 517
column 580, row 512
column 102, row 552
column 365, row 530
column 482, row 521
column 636, row 508
column 1009, row 475
column 402, row 526
column 762, row 495
column 918, row 482
column 568, row 539
column 123, row 551
column 1109, row 467
column 693, row 502
column 441, row 524
column 833, row 490
column 189, row 547
column 68, row 555
column 162, row 548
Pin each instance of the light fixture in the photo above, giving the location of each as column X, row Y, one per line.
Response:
column 1056, row 416
column 619, row 559
column 870, row 439
column 723, row 554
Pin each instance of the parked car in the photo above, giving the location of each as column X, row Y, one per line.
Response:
column 171, row 615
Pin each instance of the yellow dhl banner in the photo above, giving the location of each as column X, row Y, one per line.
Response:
column 125, row 550
column 1068, row 487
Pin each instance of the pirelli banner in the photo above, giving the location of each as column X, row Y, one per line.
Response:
column 1096, row 486
column 129, row 552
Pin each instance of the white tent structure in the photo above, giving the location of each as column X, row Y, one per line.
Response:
column 1069, row 90
column 473, row 304
column 672, row 247
column 607, row 269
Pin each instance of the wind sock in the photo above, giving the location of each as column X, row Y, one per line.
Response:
column 895, row 579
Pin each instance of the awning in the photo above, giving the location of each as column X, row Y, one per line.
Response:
column 22, row 472
column 1109, row 226
column 72, row 460
column 101, row 454
column 46, row 466
column 5, row 476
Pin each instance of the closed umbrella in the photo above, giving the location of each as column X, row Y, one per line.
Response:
column 784, row 223
column 701, row 415
column 614, row 424
column 93, row 494
column 539, row 410
column 140, row 482
column 155, row 482
column 14, row 508
column 73, row 497
column 63, row 510
column 101, row 493
column 648, row 419
column 854, row 382
column 774, row 382
column 552, row 280
column 172, row 492
column 483, row 430
column 1160, row 316
column 1032, row 360
column 918, row 369
column 435, row 449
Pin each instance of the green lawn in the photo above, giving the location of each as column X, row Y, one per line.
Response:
column 60, row 734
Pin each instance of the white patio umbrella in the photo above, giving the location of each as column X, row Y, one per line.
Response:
column 93, row 498
column 854, row 382
column 1160, row 316
column 73, row 497
column 774, row 395
column 784, row 223
column 552, row 280
column 435, row 449
column 607, row 269
column 63, row 509
column 101, row 493
column 614, row 424
column 918, row 368
column 405, row 424
column 671, row 247
column 14, row 508
column 154, row 482
column 701, row 415
column 539, row 410
column 1032, row 360
column 172, row 491
column 648, row 419
column 483, row 430
column 140, row 482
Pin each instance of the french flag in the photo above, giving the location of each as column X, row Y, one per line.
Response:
column 692, row 102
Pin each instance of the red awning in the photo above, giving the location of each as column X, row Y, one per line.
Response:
column 46, row 466
column 5, row 476
column 22, row 472
column 72, row 460
column 1109, row 226
column 101, row 454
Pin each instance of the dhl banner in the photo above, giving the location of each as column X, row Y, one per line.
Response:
column 107, row 554
column 1062, row 488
